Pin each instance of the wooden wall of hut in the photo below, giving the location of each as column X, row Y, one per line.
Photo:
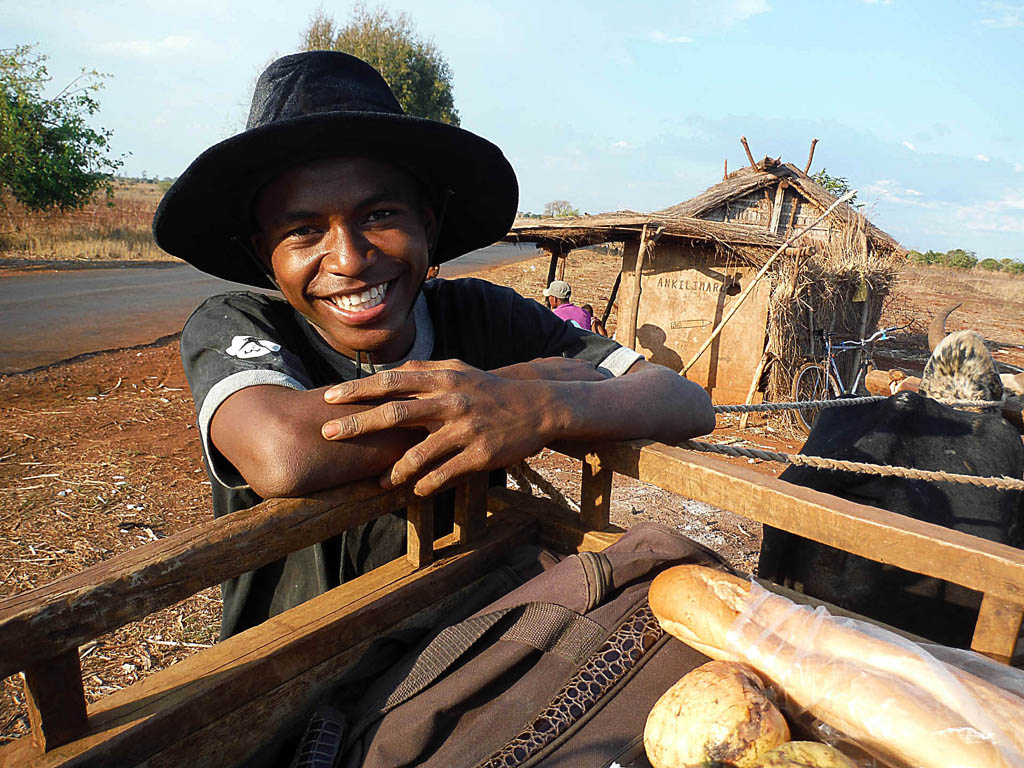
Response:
column 686, row 289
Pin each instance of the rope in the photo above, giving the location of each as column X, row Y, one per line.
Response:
column 838, row 465
column 842, row 403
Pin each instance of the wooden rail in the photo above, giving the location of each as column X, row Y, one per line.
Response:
column 223, row 695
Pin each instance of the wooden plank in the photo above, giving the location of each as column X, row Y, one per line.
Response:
column 558, row 528
column 998, row 628
column 267, row 671
column 560, row 272
column 46, row 622
column 595, row 493
column 420, row 532
column 471, row 508
column 55, row 700
column 780, row 196
column 886, row 537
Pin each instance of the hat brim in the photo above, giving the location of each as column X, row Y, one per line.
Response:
column 205, row 216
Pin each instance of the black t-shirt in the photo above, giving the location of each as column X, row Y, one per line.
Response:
column 239, row 340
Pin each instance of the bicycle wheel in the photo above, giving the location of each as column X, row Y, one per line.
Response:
column 810, row 382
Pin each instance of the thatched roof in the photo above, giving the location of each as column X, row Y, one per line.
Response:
column 752, row 242
column 768, row 173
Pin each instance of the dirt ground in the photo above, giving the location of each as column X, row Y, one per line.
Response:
column 101, row 455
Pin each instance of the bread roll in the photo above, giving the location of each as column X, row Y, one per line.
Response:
column 858, row 686
column 698, row 605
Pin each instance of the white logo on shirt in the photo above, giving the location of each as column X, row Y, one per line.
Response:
column 244, row 347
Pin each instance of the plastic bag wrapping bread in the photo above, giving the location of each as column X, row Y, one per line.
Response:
column 888, row 695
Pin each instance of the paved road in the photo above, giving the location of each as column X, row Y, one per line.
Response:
column 48, row 316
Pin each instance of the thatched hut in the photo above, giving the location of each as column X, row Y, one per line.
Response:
column 701, row 256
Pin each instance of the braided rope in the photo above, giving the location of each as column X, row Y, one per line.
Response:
column 842, row 403
column 838, row 465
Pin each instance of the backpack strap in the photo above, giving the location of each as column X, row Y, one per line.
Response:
column 548, row 627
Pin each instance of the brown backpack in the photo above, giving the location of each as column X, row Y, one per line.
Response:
column 560, row 671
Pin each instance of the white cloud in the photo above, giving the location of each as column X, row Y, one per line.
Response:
column 1004, row 215
column 145, row 48
column 660, row 37
column 1004, row 15
column 878, row 2
column 909, row 146
column 983, row 158
column 1018, row 167
column 621, row 146
column 894, row 192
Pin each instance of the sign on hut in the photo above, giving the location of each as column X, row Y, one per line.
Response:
column 702, row 258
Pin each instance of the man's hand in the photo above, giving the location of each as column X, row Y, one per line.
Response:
column 476, row 420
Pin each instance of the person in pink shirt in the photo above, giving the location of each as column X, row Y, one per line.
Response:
column 557, row 295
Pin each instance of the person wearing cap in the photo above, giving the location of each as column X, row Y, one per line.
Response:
column 362, row 369
column 557, row 295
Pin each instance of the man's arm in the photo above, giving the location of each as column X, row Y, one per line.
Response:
column 480, row 421
column 272, row 436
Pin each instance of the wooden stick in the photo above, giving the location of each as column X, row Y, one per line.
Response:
column 725, row 170
column 995, row 634
column 611, row 299
column 810, row 156
column 420, row 531
column 595, row 493
column 746, row 147
column 554, row 250
column 757, row 278
column 753, row 387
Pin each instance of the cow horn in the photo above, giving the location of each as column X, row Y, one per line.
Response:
column 937, row 330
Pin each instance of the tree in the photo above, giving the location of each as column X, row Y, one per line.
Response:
column 49, row 156
column 414, row 68
column 958, row 258
column 835, row 185
column 560, row 209
column 990, row 264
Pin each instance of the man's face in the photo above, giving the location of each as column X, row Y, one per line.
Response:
column 348, row 240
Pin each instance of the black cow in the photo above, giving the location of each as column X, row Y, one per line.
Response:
column 906, row 430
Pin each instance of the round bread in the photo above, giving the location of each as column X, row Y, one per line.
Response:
column 698, row 605
column 717, row 714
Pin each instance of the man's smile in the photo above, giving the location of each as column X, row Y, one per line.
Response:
column 360, row 300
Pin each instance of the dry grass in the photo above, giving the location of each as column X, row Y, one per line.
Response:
column 814, row 294
column 115, row 230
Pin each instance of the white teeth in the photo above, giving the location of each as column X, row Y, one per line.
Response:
column 360, row 302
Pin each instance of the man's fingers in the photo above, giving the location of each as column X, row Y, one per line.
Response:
column 459, row 465
column 424, row 454
column 392, row 383
column 394, row 413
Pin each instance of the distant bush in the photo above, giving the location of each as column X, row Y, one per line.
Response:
column 991, row 265
column 1014, row 267
column 961, row 259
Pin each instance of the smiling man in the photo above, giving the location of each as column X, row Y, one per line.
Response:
column 341, row 202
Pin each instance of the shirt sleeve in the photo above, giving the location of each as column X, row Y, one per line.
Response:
column 231, row 342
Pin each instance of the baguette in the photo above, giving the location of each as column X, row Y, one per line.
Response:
column 862, row 685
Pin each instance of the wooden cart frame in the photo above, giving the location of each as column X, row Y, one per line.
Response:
column 215, row 707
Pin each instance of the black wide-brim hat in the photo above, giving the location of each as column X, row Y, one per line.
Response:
column 322, row 104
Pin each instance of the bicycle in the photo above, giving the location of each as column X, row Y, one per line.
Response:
column 823, row 381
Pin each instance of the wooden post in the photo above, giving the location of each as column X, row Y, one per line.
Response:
column 995, row 634
column 757, row 278
column 562, row 258
column 753, row 387
column 420, row 532
column 780, row 196
column 595, row 494
column 647, row 241
column 554, row 251
column 471, row 508
column 56, row 700
column 725, row 170
column 611, row 299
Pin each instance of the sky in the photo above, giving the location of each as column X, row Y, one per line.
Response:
column 620, row 105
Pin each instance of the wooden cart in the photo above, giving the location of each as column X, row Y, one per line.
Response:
column 215, row 707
